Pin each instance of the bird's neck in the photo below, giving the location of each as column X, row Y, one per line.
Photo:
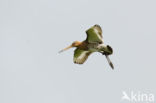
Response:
column 82, row 45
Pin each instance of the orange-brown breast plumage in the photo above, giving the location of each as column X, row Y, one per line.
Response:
column 83, row 45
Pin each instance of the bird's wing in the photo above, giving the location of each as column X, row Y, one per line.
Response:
column 94, row 35
column 80, row 56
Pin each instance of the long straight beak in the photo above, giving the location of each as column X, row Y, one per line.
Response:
column 65, row 48
column 109, row 61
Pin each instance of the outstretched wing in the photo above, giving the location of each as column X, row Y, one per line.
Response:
column 80, row 56
column 94, row 34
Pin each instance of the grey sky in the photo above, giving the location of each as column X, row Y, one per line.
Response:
column 33, row 31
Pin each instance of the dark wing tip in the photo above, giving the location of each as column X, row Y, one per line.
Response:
column 78, row 62
column 96, row 25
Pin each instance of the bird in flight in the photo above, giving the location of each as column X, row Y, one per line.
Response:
column 93, row 43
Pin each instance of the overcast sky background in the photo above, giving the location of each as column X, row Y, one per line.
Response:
column 33, row 31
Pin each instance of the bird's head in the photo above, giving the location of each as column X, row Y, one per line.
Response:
column 74, row 44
